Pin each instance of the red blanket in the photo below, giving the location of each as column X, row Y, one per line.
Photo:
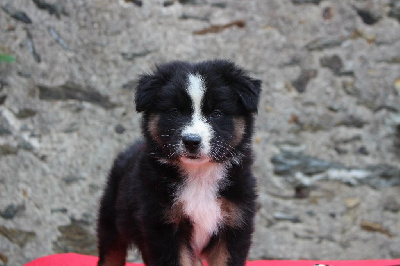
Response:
column 71, row 259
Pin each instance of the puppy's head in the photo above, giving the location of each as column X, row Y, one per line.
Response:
column 197, row 113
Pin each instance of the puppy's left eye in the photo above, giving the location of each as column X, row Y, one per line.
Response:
column 216, row 114
column 174, row 112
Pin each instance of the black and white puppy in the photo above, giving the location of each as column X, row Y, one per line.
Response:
column 185, row 192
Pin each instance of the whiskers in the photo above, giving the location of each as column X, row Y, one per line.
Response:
column 171, row 149
column 161, row 147
column 168, row 147
column 223, row 151
column 166, row 134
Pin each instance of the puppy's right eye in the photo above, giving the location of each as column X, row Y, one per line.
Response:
column 174, row 112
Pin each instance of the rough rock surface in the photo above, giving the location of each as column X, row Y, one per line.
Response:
column 328, row 130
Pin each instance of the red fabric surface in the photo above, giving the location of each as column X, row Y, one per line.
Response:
column 71, row 259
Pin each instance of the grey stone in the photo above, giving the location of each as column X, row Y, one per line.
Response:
column 130, row 85
column 395, row 250
column 2, row 85
column 30, row 45
column 57, row 38
column 193, row 2
column 395, row 9
column 300, row 83
column 301, row 192
column 313, row 169
column 17, row 236
column 73, row 127
column 168, row 3
column 72, row 179
column 321, row 44
column 279, row 216
column 4, row 130
column 382, row 176
column 391, row 204
column 7, row 149
column 368, row 16
column 393, row 60
column 316, row 2
column 5, row 126
column 396, row 139
column 138, row 3
column 352, row 121
column 71, row 91
column 194, row 17
column 17, row 14
column 59, row 210
column 4, row 259
column 3, row 99
column 133, row 55
column 11, row 210
column 328, row 13
column 363, row 150
column 56, row 9
column 288, row 163
column 332, row 62
column 219, row 4
column 351, row 139
column 24, row 74
column 25, row 113
column 119, row 129
column 75, row 237
column 349, row 88
column 290, row 146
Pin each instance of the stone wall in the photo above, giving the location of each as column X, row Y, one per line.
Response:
column 328, row 130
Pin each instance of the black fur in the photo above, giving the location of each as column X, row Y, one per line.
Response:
column 143, row 183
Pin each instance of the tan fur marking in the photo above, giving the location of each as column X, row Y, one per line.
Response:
column 153, row 126
column 186, row 258
column 239, row 128
column 232, row 214
column 175, row 214
column 218, row 255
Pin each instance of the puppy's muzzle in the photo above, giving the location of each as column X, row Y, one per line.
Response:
column 192, row 142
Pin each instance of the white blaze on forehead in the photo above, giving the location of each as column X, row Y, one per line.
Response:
column 198, row 124
column 196, row 91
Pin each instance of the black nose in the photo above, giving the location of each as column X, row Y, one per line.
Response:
column 192, row 142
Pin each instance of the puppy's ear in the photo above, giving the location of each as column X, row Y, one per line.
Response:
column 247, row 88
column 146, row 92
column 249, row 92
column 150, row 84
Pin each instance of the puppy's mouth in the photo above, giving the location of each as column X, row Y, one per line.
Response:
column 194, row 159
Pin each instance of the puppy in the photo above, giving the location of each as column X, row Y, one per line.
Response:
column 185, row 192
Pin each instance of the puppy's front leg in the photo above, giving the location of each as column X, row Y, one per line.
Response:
column 231, row 248
column 112, row 253
column 166, row 246
column 218, row 255
column 238, row 242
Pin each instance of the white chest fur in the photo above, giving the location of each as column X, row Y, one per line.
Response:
column 198, row 197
